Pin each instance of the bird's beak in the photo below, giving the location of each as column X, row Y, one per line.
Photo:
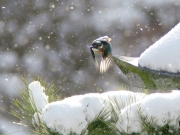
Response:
column 94, row 49
column 90, row 46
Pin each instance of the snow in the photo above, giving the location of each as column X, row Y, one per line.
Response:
column 164, row 54
column 134, row 62
column 73, row 114
column 37, row 95
column 163, row 108
column 123, row 98
column 159, row 109
column 129, row 120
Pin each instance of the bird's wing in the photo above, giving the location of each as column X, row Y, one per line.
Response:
column 105, row 63
column 96, row 65
column 95, row 60
column 93, row 54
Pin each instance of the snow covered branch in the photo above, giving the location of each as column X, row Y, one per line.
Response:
column 116, row 112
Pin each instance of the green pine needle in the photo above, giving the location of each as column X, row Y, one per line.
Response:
column 23, row 109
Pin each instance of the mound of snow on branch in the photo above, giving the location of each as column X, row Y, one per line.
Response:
column 37, row 95
column 158, row 109
column 164, row 54
column 74, row 114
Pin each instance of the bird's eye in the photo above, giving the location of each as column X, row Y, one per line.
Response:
column 97, row 44
column 100, row 46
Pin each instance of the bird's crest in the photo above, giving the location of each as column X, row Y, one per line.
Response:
column 104, row 38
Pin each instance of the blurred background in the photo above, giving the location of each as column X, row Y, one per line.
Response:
column 49, row 38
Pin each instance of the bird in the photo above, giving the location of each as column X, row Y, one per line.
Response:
column 102, row 45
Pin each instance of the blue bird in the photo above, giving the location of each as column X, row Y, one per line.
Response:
column 102, row 45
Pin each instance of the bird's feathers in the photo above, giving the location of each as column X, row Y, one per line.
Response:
column 104, row 38
column 105, row 63
column 94, row 57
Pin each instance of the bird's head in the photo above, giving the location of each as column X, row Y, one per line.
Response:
column 102, row 45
